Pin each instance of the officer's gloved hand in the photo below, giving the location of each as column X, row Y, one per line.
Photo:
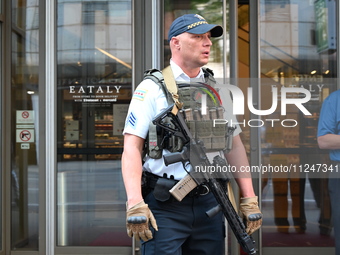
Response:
column 251, row 214
column 137, row 221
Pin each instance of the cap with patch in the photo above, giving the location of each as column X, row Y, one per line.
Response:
column 194, row 24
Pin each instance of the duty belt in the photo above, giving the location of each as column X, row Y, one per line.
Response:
column 151, row 181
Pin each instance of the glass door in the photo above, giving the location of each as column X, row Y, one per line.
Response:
column 23, row 172
column 297, row 51
column 94, row 79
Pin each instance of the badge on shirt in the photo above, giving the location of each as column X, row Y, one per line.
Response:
column 139, row 94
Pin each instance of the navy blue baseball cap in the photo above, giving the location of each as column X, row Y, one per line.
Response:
column 194, row 24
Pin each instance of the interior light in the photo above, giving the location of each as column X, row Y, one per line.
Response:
column 313, row 72
column 200, row 7
column 30, row 92
column 115, row 58
column 327, row 72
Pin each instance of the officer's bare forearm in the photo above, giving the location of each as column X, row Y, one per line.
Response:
column 237, row 157
column 132, row 168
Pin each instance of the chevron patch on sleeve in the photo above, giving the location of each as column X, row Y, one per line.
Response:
column 132, row 120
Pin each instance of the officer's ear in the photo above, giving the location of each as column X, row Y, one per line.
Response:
column 175, row 42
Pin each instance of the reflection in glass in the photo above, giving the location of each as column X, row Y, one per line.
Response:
column 25, row 134
column 295, row 202
column 94, row 75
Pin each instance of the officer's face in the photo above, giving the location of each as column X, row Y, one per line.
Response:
column 195, row 49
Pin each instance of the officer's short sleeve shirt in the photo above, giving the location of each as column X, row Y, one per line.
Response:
column 149, row 100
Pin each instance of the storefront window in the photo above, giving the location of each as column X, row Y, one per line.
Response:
column 25, row 135
column 94, row 79
column 297, row 51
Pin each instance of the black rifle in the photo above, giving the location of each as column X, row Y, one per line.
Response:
column 194, row 153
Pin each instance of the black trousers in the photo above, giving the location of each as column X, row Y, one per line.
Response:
column 184, row 228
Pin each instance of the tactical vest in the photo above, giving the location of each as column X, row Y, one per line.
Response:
column 199, row 121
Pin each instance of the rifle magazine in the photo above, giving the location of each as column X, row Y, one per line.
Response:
column 183, row 187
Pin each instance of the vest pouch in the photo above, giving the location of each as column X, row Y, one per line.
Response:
column 204, row 132
column 220, row 112
column 162, row 189
column 192, row 126
column 154, row 141
column 188, row 114
column 213, row 113
column 175, row 143
column 168, row 141
column 218, row 139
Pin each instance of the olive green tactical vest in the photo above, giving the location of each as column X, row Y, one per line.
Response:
column 199, row 122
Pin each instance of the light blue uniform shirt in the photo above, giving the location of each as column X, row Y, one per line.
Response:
column 329, row 121
column 149, row 100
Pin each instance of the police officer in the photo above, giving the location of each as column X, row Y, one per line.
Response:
column 329, row 138
column 174, row 227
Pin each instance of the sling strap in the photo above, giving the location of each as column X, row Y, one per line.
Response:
column 171, row 85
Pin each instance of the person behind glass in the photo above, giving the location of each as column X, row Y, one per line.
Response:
column 175, row 227
column 328, row 137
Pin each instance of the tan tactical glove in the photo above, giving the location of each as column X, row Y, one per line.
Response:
column 137, row 221
column 251, row 213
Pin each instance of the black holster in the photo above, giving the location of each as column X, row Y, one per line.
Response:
column 159, row 185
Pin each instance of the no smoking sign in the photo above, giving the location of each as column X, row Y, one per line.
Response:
column 25, row 116
column 25, row 135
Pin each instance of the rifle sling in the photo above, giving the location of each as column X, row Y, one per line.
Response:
column 171, row 85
